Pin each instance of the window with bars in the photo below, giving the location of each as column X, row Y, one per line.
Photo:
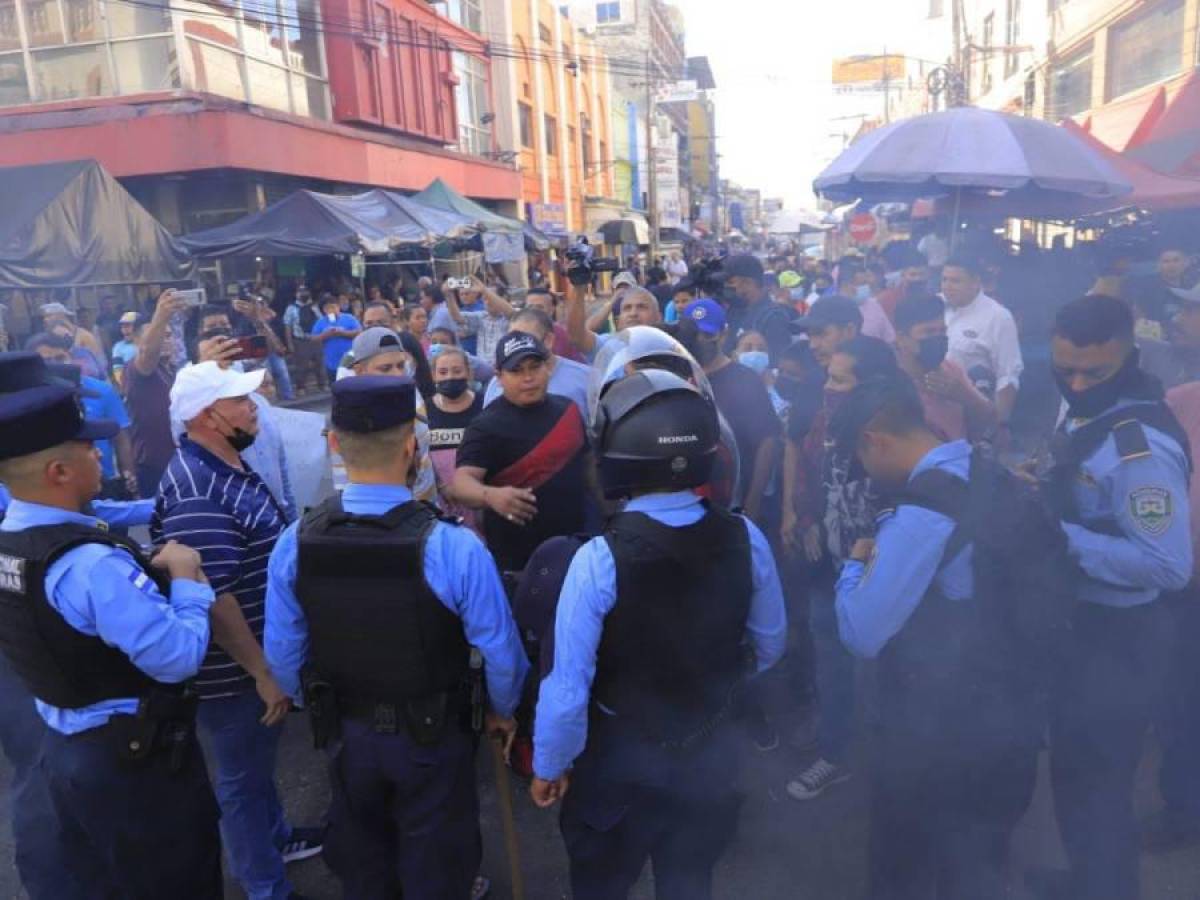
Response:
column 467, row 13
column 1071, row 85
column 268, row 52
column 1145, row 48
column 525, row 124
column 608, row 12
column 1012, row 37
column 471, row 104
column 550, row 125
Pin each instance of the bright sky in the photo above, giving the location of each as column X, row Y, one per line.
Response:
column 772, row 63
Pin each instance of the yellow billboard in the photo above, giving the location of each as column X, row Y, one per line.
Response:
column 867, row 69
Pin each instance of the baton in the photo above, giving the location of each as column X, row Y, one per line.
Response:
column 504, row 790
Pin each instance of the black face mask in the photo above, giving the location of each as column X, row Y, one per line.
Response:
column 215, row 333
column 240, row 440
column 932, row 350
column 452, row 388
column 706, row 351
column 1099, row 398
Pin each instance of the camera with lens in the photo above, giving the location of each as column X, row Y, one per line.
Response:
column 582, row 267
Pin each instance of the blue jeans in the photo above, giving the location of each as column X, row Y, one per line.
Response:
column 835, row 673
column 241, row 755
column 277, row 366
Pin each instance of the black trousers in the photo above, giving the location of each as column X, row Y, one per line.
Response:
column 404, row 816
column 629, row 803
column 951, row 782
column 137, row 831
column 1112, row 677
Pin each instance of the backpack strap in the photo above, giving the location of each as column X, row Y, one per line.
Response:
column 948, row 495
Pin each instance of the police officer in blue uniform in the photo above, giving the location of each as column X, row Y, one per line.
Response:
column 651, row 637
column 959, row 736
column 373, row 603
column 21, row 728
column 1120, row 483
column 105, row 640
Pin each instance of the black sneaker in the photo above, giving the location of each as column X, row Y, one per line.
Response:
column 303, row 843
column 816, row 780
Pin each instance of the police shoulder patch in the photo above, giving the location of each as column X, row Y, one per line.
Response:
column 1152, row 509
column 12, row 573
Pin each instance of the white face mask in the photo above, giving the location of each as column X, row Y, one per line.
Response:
column 332, row 317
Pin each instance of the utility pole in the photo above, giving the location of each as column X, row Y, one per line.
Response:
column 887, row 89
column 651, row 174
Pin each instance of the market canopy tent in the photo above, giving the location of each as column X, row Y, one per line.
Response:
column 441, row 196
column 72, row 224
column 1151, row 190
column 308, row 223
column 504, row 239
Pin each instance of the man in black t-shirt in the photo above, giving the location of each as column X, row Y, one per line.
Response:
column 753, row 309
column 741, row 398
column 525, row 460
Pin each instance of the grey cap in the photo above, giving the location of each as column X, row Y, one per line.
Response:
column 56, row 309
column 374, row 341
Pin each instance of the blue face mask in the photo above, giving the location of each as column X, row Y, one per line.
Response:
column 863, row 292
column 758, row 360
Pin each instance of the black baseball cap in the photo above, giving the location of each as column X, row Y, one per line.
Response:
column 829, row 311
column 742, row 265
column 517, row 346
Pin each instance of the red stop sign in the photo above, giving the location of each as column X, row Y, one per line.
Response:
column 863, row 228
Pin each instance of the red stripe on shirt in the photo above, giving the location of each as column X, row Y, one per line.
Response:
column 549, row 456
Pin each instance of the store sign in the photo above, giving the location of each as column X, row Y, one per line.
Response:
column 863, row 228
column 677, row 92
column 358, row 266
column 550, row 218
column 666, row 181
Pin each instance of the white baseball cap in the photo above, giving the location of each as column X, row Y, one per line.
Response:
column 198, row 387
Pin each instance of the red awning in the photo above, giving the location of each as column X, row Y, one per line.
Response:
column 1151, row 190
column 1173, row 144
column 1126, row 123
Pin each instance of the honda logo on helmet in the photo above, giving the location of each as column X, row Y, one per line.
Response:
column 678, row 439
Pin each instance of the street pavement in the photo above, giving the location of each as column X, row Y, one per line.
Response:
column 784, row 850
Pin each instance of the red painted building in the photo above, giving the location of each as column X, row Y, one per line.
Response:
column 208, row 111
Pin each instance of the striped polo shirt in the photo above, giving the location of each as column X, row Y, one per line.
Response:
column 230, row 518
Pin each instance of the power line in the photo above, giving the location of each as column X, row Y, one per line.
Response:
column 356, row 28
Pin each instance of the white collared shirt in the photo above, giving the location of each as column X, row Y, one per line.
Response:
column 984, row 333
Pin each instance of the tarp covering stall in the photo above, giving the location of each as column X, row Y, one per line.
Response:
column 308, row 223
column 504, row 239
column 71, row 224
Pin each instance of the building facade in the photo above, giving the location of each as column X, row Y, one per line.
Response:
column 554, row 112
column 210, row 111
column 644, row 41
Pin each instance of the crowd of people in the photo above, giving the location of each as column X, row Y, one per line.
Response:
column 584, row 524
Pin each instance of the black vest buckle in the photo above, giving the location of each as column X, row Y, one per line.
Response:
column 385, row 720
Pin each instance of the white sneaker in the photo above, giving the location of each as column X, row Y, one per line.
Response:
column 816, row 779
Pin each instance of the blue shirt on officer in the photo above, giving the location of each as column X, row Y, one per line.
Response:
column 1146, row 498
column 458, row 569
column 589, row 594
column 100, row 590
column 876, row 599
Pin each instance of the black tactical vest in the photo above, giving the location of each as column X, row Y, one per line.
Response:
column 377, row 633
column 672, row 656
column 59, row 664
